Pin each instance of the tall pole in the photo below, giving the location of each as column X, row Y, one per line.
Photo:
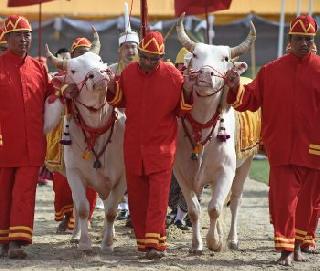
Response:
column 281, row 28
column 298, row 7
column 144, row 18
column 310, row 7
column 40, row 31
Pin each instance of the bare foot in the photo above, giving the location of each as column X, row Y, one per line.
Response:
column 285, row 258
column 154, row 254
column 4, row 250
column 16, row 251
column 298, row 254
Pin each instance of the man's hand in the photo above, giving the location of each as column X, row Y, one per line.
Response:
column 188, row 82
column 70, row 91
column 111, row 86
column 232, row 79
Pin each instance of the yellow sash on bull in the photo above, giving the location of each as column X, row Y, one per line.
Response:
column 54, row 156
column 248, row 130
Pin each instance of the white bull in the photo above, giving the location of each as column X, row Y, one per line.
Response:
column 95, row 157
column 213, row 161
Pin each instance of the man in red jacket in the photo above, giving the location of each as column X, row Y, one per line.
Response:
column 151, row 92
column 24, row 87
column 288, row 92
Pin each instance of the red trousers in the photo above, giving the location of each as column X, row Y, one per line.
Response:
column 310, row 239
column 63, row 202
column 17, row 200
column 294, row 192
column 148, row 202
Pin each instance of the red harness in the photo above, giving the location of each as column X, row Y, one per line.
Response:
column 91, row 134
column 196, row 130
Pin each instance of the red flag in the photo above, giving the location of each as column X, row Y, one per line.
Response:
column 193, row 7
column 19, row 3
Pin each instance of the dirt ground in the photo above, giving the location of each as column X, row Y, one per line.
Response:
column 55, row 252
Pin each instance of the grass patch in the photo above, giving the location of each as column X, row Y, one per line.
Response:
column 259, row 170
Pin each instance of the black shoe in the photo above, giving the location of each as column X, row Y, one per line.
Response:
column 129, row 223
column 123, row 214
column 180, row 225
column 187, row 221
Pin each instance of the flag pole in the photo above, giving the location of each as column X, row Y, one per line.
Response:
column 40, row 31
column 144, row 18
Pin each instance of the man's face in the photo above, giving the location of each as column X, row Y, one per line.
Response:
column 128, row 51
column 301, row 45
column 19, row 42
column 64, row 56
column 79, row 51
column 148, row 62
column 3, row 48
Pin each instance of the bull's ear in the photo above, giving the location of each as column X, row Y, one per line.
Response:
column 240, row 67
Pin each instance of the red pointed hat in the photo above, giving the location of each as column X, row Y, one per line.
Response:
column 80, row 42
column 2, row 39
column 16, row 23
column 152, row 43
column 303, row 25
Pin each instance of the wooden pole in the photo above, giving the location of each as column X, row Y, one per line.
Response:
column 144, row 18
column 40, row 31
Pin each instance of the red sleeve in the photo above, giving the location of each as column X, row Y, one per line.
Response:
column 248, row 97
column 116, row 98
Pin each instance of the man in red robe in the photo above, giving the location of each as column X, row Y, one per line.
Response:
column 151, row 93
column 24, row 85
column 288, row 92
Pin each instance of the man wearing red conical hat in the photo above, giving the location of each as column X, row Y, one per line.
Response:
column 3, row 42
column 288, row 91
column 80, row 46
column 151, row 91
column 24, row 87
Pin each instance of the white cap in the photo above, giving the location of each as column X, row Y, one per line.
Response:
column 128, row 35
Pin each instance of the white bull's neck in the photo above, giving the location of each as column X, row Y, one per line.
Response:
column 204, row 108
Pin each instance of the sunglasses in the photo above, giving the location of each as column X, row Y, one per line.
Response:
column 150, row 58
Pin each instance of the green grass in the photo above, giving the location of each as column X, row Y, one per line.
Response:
column 260, row 171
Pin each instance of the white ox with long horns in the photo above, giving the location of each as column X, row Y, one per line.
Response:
column 205, row 152
column 95, row 156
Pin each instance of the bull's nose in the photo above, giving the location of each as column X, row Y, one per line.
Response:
column 91, row 76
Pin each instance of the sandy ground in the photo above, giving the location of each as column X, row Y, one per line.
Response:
column 55, row 252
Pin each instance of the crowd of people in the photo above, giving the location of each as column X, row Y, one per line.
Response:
column 287, row 90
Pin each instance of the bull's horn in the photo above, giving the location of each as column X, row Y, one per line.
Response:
column 58, row 63
column 182, row 35
column 96, row 45
column 246, row 44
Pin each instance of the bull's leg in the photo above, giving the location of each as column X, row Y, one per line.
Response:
column 110, row 206
column 235, row 201
column 194, row 212
column 81, row 206
column 220, row 192
column 76, row 231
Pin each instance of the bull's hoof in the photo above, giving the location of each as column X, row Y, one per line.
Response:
column 194, row 251
column 233, row 245
column 85, row 246
column 214, row 246
column 106, row 249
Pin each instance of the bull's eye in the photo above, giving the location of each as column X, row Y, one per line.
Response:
column 211, row 73
column 91, row 76
column 73, row 71
column 226, row 59
column 194, row 55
